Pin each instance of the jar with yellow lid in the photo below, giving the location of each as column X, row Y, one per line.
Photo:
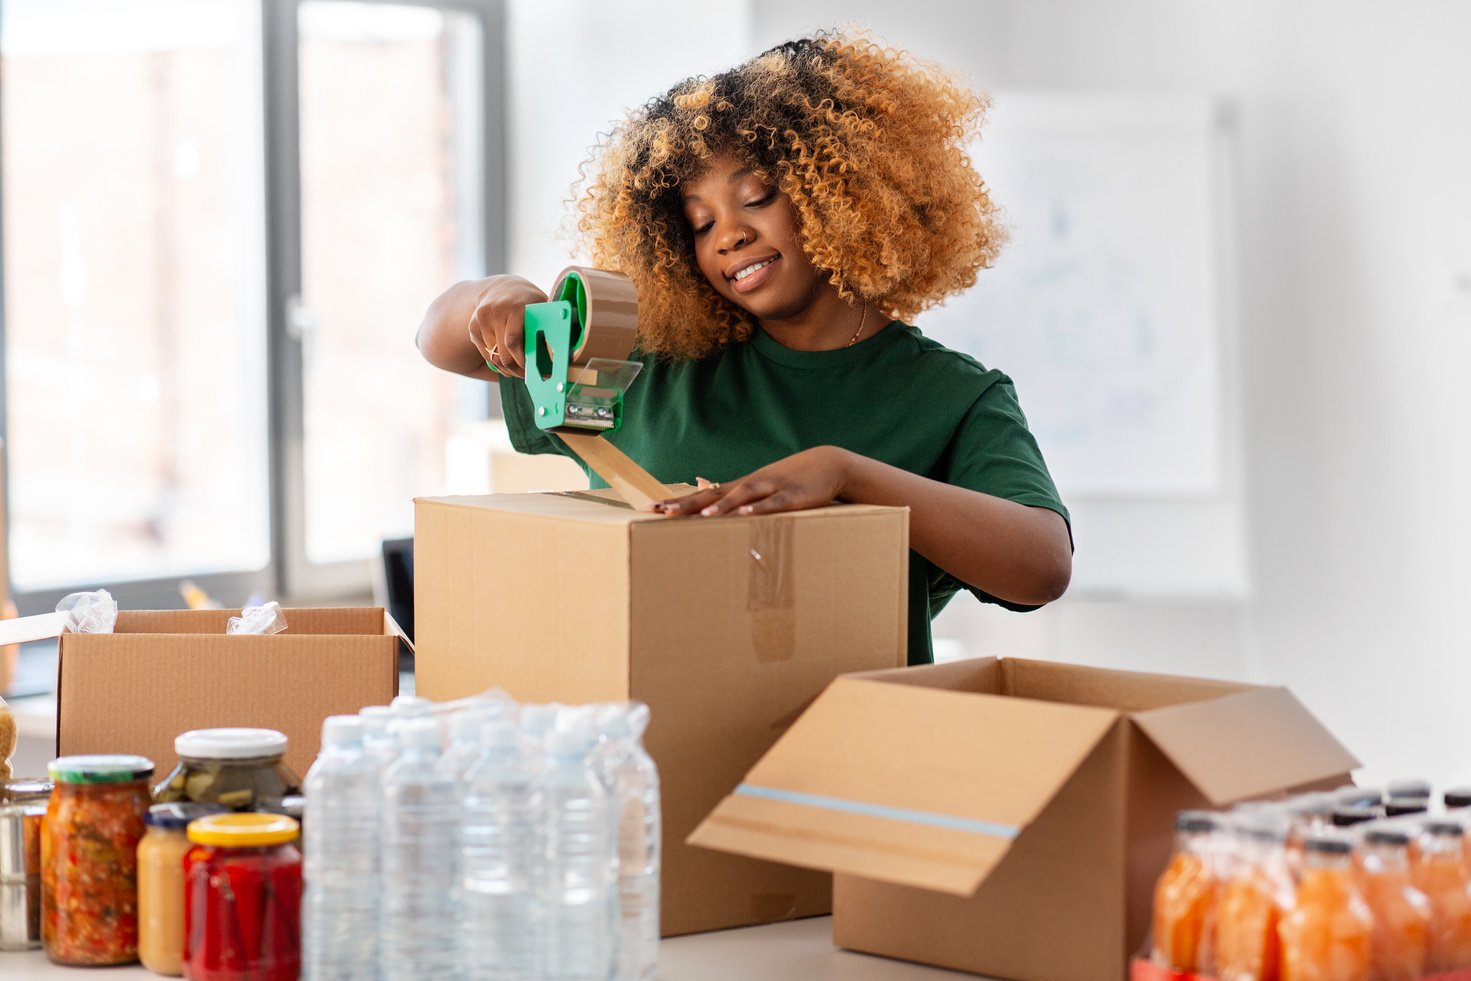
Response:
column 242, row 899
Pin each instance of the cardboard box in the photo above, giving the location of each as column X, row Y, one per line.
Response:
column 166, row 672
column 725, row 627
column 1010, row 817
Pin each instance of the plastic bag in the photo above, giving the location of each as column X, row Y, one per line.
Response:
column 89, row 613
column 264, row 619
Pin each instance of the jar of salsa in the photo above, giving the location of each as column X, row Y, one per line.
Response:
column 239, row 768
column 242, row 899
column 161, row 884
column 89, row 858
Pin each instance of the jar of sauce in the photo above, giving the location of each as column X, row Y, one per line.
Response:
column 89, row 858
column 22, row 809
column 161, row 884
column 241, row 769
column 242, row 899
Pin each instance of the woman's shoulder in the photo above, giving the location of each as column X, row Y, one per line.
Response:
column 932, row 357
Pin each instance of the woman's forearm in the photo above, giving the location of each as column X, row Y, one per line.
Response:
column 444, row 336
column 1014, row 552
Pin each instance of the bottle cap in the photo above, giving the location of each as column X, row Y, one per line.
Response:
column 1443, row 828
column 1395, row 806
column 1347, row 817
column 1192, row 822
column 100, row 769
column 250, row 830
column 1409, row 788
column 1327, row 844
column 1358, row 796
column 1387, row 836
column 230, row 744
column 1458, row 797
column 417, row 733
column 343, row 731
column 411, row 707
column 176, row 816
column 1316, row 804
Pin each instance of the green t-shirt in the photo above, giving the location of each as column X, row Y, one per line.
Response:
column 897, row 397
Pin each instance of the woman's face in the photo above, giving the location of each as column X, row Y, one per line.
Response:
column 747, row 241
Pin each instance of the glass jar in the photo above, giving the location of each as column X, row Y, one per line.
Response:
column 161, row 884
column 242, row 899
column 238, row 768
column 22, row 808
column 89, row 858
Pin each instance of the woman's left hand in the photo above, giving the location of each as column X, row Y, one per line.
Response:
column 808, row 479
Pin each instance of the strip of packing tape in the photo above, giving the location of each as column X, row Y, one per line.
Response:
column 771, row 590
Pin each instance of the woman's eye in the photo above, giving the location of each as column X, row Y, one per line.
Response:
column 765, row 199
column 702, row 229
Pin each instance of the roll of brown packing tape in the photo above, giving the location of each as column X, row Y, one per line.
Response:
column 607, row 308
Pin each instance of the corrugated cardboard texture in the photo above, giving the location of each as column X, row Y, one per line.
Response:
column 874, row 745
column 1052, row 910
column 567, row 598
column 167, row 672
column 1069, row 901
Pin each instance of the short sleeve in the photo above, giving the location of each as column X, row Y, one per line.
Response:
column 993, row 451
column 521, row 420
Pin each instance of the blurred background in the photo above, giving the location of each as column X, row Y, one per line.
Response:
column 1236, row 304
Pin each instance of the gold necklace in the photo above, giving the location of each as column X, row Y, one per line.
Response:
column 861, row 321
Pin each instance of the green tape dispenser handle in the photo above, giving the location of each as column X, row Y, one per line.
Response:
column 577, row 346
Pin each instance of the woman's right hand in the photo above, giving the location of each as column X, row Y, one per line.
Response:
column 498, row 322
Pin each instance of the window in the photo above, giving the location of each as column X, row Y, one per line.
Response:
column 222, row 220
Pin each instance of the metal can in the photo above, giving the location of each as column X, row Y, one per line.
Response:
column 22, row 808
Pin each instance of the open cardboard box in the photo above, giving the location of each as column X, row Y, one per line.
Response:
column 1010, row 817
column 164, row 672
column 726, row 627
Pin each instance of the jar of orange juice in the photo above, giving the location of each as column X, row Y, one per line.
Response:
column 1325, row 936
column 1185, row 896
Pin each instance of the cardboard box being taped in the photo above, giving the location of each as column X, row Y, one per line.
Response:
column 1010, row 817
column 726, row 627
column 166, row 672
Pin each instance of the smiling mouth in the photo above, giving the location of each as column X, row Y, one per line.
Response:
column 753, row 275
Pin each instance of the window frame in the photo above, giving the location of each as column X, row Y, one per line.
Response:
column 288, row 573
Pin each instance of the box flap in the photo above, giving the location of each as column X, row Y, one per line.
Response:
column 905, row 784
column 606, row 507
column 1246, row 744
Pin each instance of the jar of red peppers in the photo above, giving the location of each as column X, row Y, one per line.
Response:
column 89, row 864
column 242, row 899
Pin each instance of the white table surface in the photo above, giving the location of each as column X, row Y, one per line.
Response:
column 800, row 950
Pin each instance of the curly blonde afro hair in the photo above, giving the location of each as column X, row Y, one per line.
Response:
column 869, row 145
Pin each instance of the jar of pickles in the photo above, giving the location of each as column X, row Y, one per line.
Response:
column 89, row 858
column 242, row 899
column 238, row 768
column 22, row 808
column 161, row 884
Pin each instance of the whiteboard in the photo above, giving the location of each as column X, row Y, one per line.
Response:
column 1103, row 307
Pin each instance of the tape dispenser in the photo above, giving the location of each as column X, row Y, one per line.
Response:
column 577, row 345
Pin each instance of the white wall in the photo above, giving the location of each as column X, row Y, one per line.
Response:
column 1354, row 276
column 575, row 67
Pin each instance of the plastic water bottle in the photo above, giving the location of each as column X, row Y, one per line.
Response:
column 577, row 891
column 378, row 742
column 630, row 772
column 411, row 707
column 501, row 929
column 420, row 858
column 464, row 743
column 340, row 908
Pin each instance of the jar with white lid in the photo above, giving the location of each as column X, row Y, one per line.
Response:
column 241, row 769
